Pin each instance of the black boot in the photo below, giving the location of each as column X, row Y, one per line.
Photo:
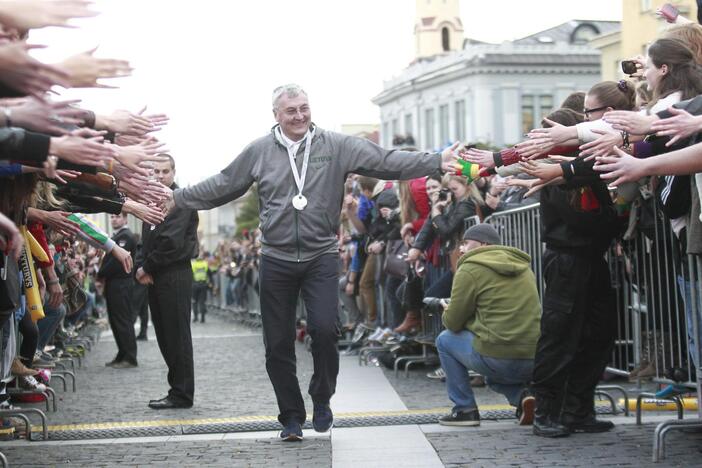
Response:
column 546, row 419
column 579, row 414
column 194, row 318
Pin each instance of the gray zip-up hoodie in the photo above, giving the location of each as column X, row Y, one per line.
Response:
column 289, row 234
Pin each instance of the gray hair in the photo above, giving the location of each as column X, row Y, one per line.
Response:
column 291, row 89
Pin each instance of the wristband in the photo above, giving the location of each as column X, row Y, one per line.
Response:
column 110, row 166
column 51, row 282
column 625, row 140
column 497, row 158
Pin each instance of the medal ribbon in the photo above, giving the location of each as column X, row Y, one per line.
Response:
column 299, row 178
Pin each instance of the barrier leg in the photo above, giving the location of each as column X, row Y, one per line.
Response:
column 662, row 430
column 3, row 460
column 608, row 397
column 23, row 412
column 62, row 379
column 623, row 392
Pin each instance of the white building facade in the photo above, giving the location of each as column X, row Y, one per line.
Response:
column 490, row 93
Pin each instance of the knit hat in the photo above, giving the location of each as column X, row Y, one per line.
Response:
column 483, row 233
column 388, row 199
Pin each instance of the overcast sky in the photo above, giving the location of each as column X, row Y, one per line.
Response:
column 211, row 64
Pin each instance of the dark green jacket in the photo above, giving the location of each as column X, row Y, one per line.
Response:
column 494, row 296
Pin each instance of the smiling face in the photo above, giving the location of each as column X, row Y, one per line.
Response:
column 294, row 115
column 432, row 187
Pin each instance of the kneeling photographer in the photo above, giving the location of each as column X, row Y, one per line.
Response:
column 492, row 326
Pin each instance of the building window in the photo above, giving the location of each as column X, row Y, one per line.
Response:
column 545, row 106
column 527, row 113
column 460, row 109
column 583, row 34
column 429, row 129
column 445, row 39
column 409, row 126
column 645, row 5
column 387, row 139
column 395, row 128
column 443, row 124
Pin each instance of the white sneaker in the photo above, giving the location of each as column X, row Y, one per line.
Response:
column 437, row 374
column 376, row 335
column 30, row 383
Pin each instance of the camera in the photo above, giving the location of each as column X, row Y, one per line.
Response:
column 629, row 67
column 444, row 194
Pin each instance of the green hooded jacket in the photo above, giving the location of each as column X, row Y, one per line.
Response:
column 494, row 296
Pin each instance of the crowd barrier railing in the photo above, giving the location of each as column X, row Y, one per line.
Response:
column 659, row 304
column 237, row 298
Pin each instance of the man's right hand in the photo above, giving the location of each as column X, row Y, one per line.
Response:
column 168, row 202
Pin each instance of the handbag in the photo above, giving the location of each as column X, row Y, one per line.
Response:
column 411, row 291
column 395, row 258
column 73, row 295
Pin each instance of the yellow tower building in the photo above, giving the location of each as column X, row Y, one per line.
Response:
column 438, row 28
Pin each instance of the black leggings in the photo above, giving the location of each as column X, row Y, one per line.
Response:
column 30, row 337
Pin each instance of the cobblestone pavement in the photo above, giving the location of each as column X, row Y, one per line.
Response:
column 419, row 392
column 182, row 453
column 505, row 444
column 230, row 380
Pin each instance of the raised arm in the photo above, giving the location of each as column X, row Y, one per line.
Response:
column 364, row 157
column 221, row 188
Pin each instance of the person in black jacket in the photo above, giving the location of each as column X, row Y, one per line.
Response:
column 118, row 295
column 164, row 264
column 578, row 323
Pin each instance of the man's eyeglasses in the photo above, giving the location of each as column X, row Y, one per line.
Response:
column 587, row 112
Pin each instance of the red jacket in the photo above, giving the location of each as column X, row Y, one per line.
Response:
column 418, row 190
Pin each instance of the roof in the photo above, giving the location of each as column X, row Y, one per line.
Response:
column 564, row 32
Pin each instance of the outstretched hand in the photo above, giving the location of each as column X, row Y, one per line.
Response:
column 449, row 158
column 620, row 167
column 681, row 125
column 34, row 14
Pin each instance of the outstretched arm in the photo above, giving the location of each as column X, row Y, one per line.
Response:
column 228, row 185
column 366, row 158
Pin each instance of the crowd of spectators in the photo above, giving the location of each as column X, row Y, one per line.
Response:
column 60, row 162
column 400, row 241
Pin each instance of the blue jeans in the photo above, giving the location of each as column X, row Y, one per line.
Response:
column 506, row 376
column 685, row 287
column 50, row 323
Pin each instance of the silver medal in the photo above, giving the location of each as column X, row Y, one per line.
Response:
column 299, row 201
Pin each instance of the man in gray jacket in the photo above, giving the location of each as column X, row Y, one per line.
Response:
column 300, row 170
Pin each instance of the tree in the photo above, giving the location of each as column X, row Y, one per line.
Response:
column 248, row 216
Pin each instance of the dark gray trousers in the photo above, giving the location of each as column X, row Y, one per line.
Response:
column 281, row 283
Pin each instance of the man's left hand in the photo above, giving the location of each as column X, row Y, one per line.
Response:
column 449, row 158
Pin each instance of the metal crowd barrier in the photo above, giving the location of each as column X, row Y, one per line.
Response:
column 659, row 304
column 246, row 307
